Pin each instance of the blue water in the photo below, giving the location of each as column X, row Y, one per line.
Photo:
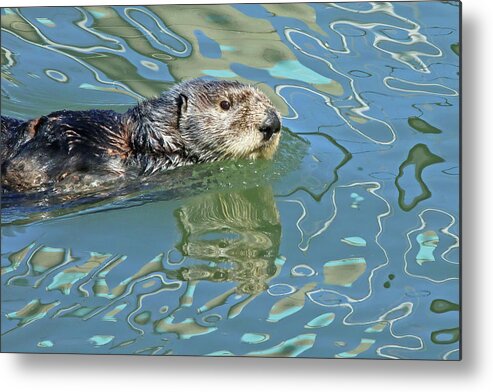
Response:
column 345, row 246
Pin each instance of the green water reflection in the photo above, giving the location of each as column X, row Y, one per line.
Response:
column 345, row 245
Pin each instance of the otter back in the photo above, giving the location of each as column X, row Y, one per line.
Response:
column 49, row 148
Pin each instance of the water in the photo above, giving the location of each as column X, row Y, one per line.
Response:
column 345, row 246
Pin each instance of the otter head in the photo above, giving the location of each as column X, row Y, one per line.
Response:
column 226, row 120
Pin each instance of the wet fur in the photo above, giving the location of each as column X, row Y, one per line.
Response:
column 183, row 126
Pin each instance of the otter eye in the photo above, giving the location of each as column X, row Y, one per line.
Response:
column 225, row 105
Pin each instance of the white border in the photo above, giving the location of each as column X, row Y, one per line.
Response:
column 474, row 373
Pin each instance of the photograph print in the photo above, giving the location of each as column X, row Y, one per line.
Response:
column 253, row 180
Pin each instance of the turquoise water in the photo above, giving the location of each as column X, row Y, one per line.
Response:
column 345, row 246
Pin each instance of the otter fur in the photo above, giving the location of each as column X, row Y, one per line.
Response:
column 196, row 121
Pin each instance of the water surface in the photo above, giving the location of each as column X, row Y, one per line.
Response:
column 345, row 246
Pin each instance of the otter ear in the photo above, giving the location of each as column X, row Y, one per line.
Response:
column 182, row 102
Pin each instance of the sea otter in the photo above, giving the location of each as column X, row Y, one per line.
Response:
column 196, row 121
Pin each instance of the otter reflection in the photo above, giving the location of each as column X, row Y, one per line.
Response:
column 237, row 232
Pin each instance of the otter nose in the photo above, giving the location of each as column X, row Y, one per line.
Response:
column 270, row 125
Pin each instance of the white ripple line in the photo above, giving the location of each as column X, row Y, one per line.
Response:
column 9, row 58
column 291, row 288
column 53, row 47
column 447, row 354
column 391, row 330
column 139, row 306
column 67, row 259
column 381, row 318
column 325, row 226
column 281, row 87
column 83, row 25
column 129, row 290
column 452, row 94
column 376, row 7
column 183, row 258
column 420, row 347
column 303, row 215
column 29, row 267
column 414, row 33
column 423, row 224
column 65, row 310
column 161, row 27
column 391, row 327
column 373, row 190
column 358, row 110
column 111, row 259
column 455, row 237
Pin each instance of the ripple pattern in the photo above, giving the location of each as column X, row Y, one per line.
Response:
column 346, row 246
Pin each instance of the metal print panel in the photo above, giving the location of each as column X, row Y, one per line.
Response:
column 274, row 180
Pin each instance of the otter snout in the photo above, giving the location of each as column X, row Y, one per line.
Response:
column 270, row 125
